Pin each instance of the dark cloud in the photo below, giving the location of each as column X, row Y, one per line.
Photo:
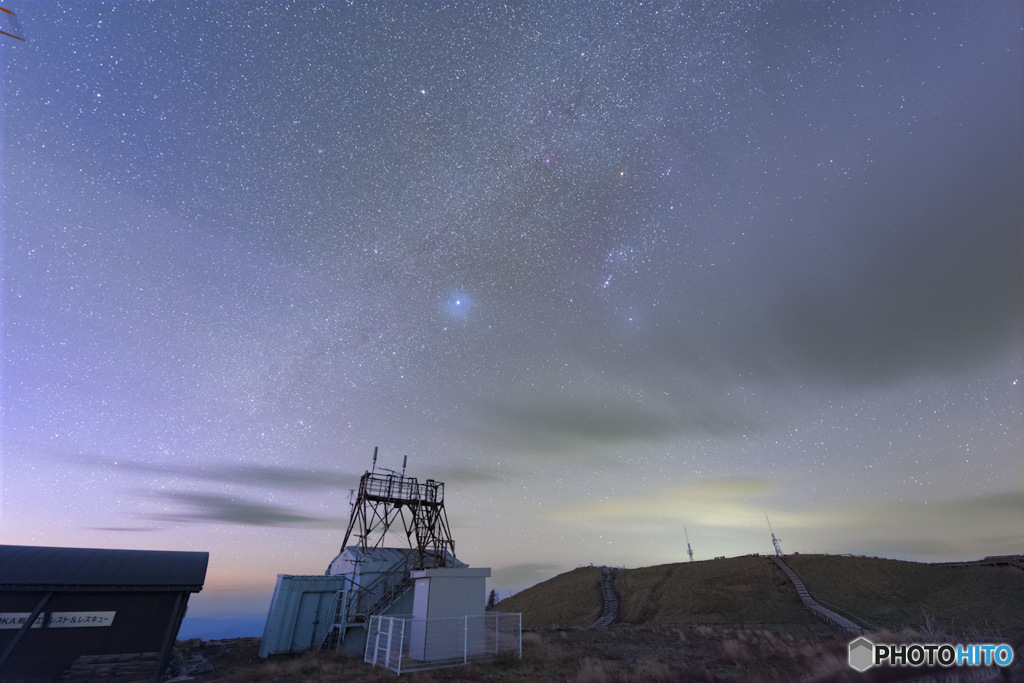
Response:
column 863, row 257
column 917, row 273
column 582, row 423
column 285, row 477
column 550, row 425
column 925, row 276
column 210, row 508
column 993, row 509
column 950, row 528
column 266, row 476
column 465, row 475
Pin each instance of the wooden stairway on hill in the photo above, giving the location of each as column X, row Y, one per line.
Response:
column 610, row 597
column 810, row 603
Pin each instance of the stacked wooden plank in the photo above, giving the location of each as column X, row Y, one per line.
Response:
column 120, row 668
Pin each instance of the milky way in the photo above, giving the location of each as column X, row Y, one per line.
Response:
column 604, row 269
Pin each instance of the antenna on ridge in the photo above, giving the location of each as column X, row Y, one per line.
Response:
column 689, row 550
column 777, row 542
column 9, row 25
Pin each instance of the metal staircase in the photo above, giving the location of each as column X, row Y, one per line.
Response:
column 353, row 607
column 610, row 598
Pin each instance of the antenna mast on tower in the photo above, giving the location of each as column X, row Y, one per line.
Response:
column 689, row 550
column 389, row 502
column 9, row 25
column 777, row 542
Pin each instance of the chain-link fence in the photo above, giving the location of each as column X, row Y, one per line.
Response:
column 402, row 643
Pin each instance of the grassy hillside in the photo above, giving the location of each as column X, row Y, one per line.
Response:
column 887, row 594
column 569, row 600
column 733, row 590
column 893, row 594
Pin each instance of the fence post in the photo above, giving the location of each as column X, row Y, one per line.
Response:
column 465, row 640
column 495, row 633
column 520, row 635
column 401, row 643
column 376, row 643
column 369, row 638
column 387, row 657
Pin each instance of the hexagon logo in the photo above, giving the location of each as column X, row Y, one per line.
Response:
column 862, row 654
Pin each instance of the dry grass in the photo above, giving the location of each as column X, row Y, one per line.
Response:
column 622, row 654
column 592, row 671
column 235, row 661
column 753, row 590
column 893, row 594
column 734, row 590
column 570, row 600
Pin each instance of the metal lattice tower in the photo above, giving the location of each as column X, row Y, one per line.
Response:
column 387, row 501
column 777, row 542
column 689, row 550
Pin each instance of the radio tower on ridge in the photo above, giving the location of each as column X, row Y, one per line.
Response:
column 777, row 542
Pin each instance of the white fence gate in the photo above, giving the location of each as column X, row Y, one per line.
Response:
column 402, row 643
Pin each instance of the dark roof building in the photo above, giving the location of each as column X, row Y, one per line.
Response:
column 92, row 614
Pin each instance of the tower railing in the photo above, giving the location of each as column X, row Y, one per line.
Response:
column 388, row 500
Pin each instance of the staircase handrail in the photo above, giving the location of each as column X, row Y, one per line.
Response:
column 402, row 567
column 392, row 589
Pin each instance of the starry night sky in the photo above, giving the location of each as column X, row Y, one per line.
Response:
column 604, row 269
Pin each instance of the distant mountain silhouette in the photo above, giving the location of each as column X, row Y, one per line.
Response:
column 208, row 628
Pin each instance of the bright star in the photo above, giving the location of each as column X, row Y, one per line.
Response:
column 458, row 305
